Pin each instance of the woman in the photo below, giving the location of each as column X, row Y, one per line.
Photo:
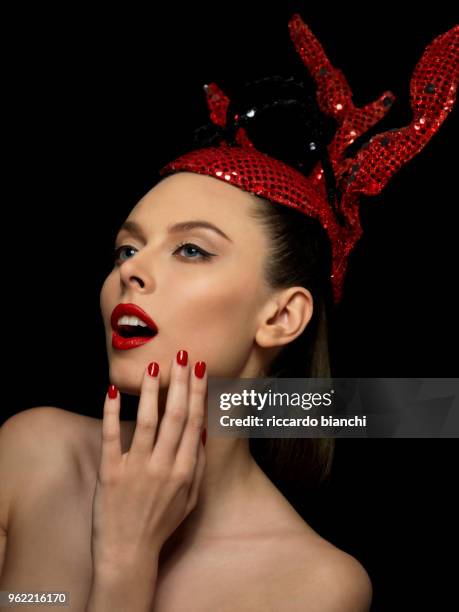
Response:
column 242, row 531
column 150, row 527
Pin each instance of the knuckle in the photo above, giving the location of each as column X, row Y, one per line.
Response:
column 198, row 389
column 181, row 378
column 109, row 435
column 150, row 393
column 176, row 414
column 110, row 409
column 106, row 477
column 181, row 477
column 158, row 471
column 145, row 424
column 196, row 421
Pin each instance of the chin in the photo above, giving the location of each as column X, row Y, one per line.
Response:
column 125, row 387
column 126, row 377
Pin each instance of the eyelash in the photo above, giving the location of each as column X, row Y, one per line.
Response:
column 205, row 256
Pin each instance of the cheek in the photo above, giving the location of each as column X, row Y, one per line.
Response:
column 215, row 316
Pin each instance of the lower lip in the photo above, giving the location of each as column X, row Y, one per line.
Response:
column 123, row 344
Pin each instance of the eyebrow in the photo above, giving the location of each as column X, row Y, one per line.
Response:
column 135, row 229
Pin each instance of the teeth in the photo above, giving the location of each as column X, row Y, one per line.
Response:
column 131, row 321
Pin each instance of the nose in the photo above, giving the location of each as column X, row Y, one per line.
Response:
column 136, row 272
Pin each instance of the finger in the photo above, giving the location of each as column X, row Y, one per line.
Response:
column 187, row 453
column 111, row 437
column 147, row 415
column 175, row 413
column 197, row 479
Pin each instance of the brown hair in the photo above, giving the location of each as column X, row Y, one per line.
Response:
column 300, row 254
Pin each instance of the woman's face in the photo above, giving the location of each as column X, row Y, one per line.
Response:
column 208, row 306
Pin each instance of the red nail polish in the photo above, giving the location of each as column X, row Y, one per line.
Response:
column 200, row 369
column 153, row 368
column 112, row 392
column 182, row 358
column 204, row 436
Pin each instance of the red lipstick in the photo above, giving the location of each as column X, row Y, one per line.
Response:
column 130, row 310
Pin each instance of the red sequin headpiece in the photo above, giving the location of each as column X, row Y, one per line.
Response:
column 432, row 94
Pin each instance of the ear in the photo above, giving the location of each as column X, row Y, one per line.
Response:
column 284, row 317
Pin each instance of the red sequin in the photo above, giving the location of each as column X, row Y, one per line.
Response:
column 433, row 92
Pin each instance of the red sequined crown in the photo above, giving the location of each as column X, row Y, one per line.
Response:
column 432, row 95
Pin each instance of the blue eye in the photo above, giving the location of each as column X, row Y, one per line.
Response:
column 197, row 251
column 119, row 250
column 203, row 254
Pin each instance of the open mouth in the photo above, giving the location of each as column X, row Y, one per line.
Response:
column 132, row 327
column 136, row 331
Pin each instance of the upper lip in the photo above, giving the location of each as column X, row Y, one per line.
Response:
column 131, row 310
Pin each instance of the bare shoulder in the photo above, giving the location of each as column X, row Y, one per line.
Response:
column 340, row 582
column 39, row 432
column 27, row 435
column 50, row 437
column 294, row 558
column 323, row 577
column 33, row 421
column 37, row 445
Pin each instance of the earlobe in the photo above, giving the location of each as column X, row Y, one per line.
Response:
column 285, row 318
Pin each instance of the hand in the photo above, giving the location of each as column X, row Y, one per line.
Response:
column 141, row 496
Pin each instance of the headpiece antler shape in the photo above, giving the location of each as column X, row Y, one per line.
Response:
column 433, row 92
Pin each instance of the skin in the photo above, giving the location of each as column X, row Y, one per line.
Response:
column 205, row 308
column 243, row 546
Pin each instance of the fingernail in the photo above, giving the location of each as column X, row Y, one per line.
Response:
column 204, row 436
column 182, row 358
column 200, row 369
column 153, row 368
column 112, row 392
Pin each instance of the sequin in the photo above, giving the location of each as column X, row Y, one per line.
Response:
column 367, row 172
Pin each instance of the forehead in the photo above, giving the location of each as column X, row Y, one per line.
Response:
column 186, row 195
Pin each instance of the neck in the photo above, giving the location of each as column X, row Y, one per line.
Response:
column 232, row 483
column 231, row 476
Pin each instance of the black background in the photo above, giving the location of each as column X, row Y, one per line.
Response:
column 96, row 102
